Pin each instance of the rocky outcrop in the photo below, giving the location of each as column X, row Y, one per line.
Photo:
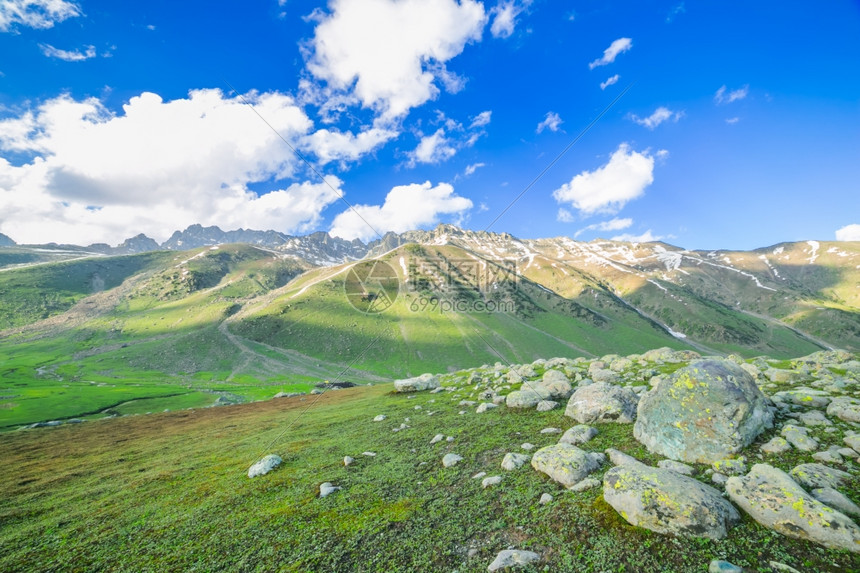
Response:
column 602, row 402
column 417, row 384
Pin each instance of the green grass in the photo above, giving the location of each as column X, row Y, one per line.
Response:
column 169, row 491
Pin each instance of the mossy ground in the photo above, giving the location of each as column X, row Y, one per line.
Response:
column 169, row 491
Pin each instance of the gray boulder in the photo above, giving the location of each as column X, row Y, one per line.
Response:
column 417, row 384
column 845, row 408
column 706, row 411
column 798, row 436
column 327, row 489
column 564, row 463
column 676, row 467
column 773, row 499
column 546, row 405
column 512, row 558
column 776, row 445
column 818, row 475
column 804, row 397
column 853, row 442
column 667, row 502
column 602, row 402
column 578, row 435
column 265, row 465
column 836, row 500
column 524, row 398
column 513, row 461
column 555, row 384
column 451, row 460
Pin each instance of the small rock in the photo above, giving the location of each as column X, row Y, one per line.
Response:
column 327, row 489
column 449, row 439
column 380, row 418
column 799, row 438
column 620, row 458
column 512, row 558
column 437, row 438
column 845, row 408
column 602, row 402
column 587, row 483
column 546, row 405
column 776, row 445
column 369, row 454
column 579, row 434
column 484, row 407
column 417, row 384
column 348, row 460
column 719, row 479
column 814, row 418
column 493, row 480
column 813, row 476
column 545, row 499
column 836, row 500
column 720, row 566
column 853, row 442
column 479, row 475
column 558, row 431
column 828, row 457
column 564, row 463
column 513, row 461
column 676, row 467
column 527, row 446
column 451, row 460
column 265, row 465
column 782, row 567
column 730, row 467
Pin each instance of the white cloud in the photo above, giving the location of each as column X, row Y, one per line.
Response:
column 505, row 18
column 353, row 49
column 615, row 224
column 39, row 14
column 432, row 149
column 660, row 115
column 733, row 120
column 646, row 237
column 619, row 46
column 848, row 233
column 610, row 82
column 609, row 187
column 552, row 121
column 406, row 207
column 98, row 176
column 150, row 27
column 330, row 145
column 481, row 119
column 722, row 96
column 68, row 55
column 564, row 216
column 470, row 169
column 677, row 9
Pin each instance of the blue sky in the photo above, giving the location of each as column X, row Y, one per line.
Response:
column 739, row 127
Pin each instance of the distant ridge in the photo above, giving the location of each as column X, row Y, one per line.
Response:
column 6, row 241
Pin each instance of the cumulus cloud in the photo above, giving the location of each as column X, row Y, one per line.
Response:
column 39, row 14
column 505, row 18
column 660, row 115
column 552, row 122
column 406, row 207
column 68, row 55
column 724, row 96
column 330, row 145
column 615, row 224
column 646, row 237
column 619, row 46
column 433, row 148
column 848, row 233
column 481, row 119
column 610, row 82
column 90, row 174
column 351, row 50
column 609, row 187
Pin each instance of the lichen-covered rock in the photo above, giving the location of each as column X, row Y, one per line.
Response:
column 836, row 500
column 564, row 463
column 265, row 465
column 813, row 476
column 512, row 558
column 776, row 501
column 776, row 445
column 578, row 434
column 730, row 467
column 676, row 467
column 783, row 376
column 451, row 460
column 853, row 442
column 804, row 397
column 513, row 461
column 706, row 411
column 417, row 384
column 602, row 402
column 798, row 436
column 555, row 384
column 546, row 405
column 667, row 502
column 845, row 408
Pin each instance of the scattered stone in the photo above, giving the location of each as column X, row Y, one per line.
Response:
column 848, row 453
column 479, row 475
column 527, row 446
column 836, row 500
column 804, row 397
column 720, row 566
column 619, row 458
column 587, row 483
column 813, row 476
column 774, row 500
column 782, row 567
column 487, row 482
column 853, row 442
column 368, row 454
column 327, row 489
column 449, row 439
column 417, row 384
column 466, row 403
column 380, row 418
column 484, row 407
column 814, row 418
column 513, row 461
column 799, row 438
column 546, row 405
column 667, row 502
column 579, row 434
column 604, row 375
column 564, row 463
column 706, row 411
column 845, row 408
column 512, row 558
column 437, row 438
column 776, row 445
column 730, row 467
column 558, row 431
column 545, row 499
column 554, row 384
column 348, row 460
column 451, row 460
column 780, row 376
column 676, row 467
column 828, row 457
column 602, row 402
column 719, row 479
column 315, row 392
column 265, row 465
